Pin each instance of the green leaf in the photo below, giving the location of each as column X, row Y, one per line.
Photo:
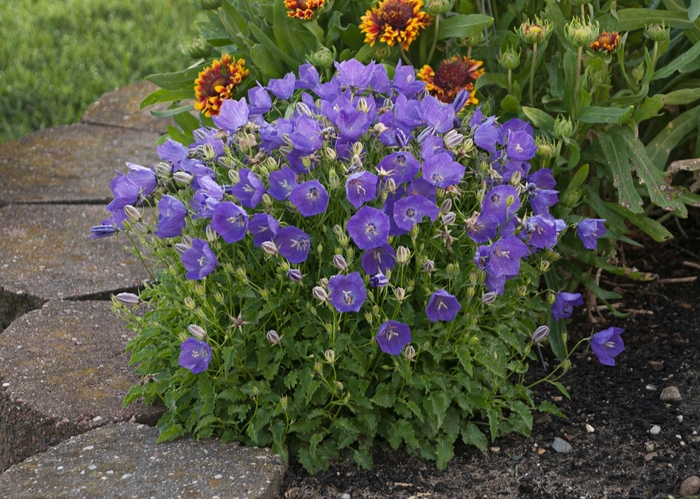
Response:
column 649, row 108
column 404, row 429
column 510, row 104
column 631, row 19
column 165, row 95
column 491, row 79
column 615, row 152
column 525, row 415
column 177, row 80
column 463, row 26
column 170, row 432
column 557, row 329
column 445, row 451
column 694, row 10
column 173, row 111
column 233, row 20
column 265, row 40
column 654, row 229
column 561, row 388
column 597, row 114
column 539, row 119
column 678, row 62
column 661, row 146
column 269, row 65
column 683, row 96
column 384, row 396
column 286, row 39
column 548, row 407
column 472, row 435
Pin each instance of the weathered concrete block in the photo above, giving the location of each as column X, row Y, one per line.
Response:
column 64, row 371
column 70, row 164
column 124, row 461
column 120, row 107
column 46, row 251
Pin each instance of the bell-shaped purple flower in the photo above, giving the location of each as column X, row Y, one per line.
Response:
column 230, row 221
column 171, row 217
column 589, row 230
column 542, row 178
column 420, row 186
column 393, row 336
column 486, row 135
column 282, row 182
column 199, row 260
column 293, row 244
column 369, row 228
column 378, row 260
column 540, row 231
column 310, row 198
column 442, row 306
column 607, row 344
column 410, row 211
column 103, row 230
column 405, row 81
column 259, row 99
column 361, row 187
column 441, row 170
column 401, row 166
column 282, row 88
column 195, row 355
column 437, row 114
column 347, row 292
column 496, row 203
column 542, row 199
column 232, row 116
column 172, row 151
column 131, row 188
column 352, row 123
column 249, row 190
column 521, row 145
column 564, row 303
column 505, row 257
column 264, row 227
column 308, row 77
column 352, row 73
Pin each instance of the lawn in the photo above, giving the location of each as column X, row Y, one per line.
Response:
column 57, row 57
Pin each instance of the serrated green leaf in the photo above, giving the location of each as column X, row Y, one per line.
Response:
column 661, row 146
column 170, row 432
column 539, row 119
column 493, row 416
column 561, row 388
column 523, row 411
column 678, row 62
column 384, row 396
column 617, row 158
column 463, row 26
column 548, row 407
column 135, row 392
column 465, row 358
column 472, row 435
column 596, row 114
column 444, row 450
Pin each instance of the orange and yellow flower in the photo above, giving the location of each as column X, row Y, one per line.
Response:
column 217, row 83
column 394, row 21
column 303, row 9
column 453, row 75
column 606, row 42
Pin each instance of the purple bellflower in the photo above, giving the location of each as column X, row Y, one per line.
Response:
column 308, row 77
column 260, row 101
column 282, row 182
column 264, row 227
column 282, row 88
column 132, row 187
column 230, row 221
column 521, row 146
column 486, row 135
column 589, row 230
column 607, row 344
column 249, row 189
column 347, row 292
column 105, row 229
column 233, row 115
column 542, row 178
column 401, row 166
column 405, row 81
column 352, row 73
column 293, row 244
column 195, row 355
column 442, row 306
column 540, row 231
column 368, row 228
column 437, row 114
column 361, row 187
column 505, row 257
column 310, row 198
column 541, row 199
column 441, row 170
column 171, row 217
column 379, row 260
column 199, row 260
column 495, row 203
column 393, row 336
column 410, row 211
column 172, row 151
column 564, row 304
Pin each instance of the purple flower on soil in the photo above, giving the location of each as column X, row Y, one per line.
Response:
column 607, row 344
column 232, row 116
column 249, row 189
column 495, row 203
column 521, row 146
column 442, row 306
column 410, row 210
column 542, row 178
column 361, row 187
column 401, row 166
column 282, row 88
column 199, row 260
column 542, row 199
column 540, row 231
column 132, row 187
column 282, row 182
column 172, row 151
column 352, row 73
column 486, row 135
column 368, row 228
column 171, row 217
column 505, row 257
column 195, row 355
column 308, row 77
column 260, row 101
column 347, row 292
column 441, row 171
column 378, row 260
column 293, row 244
column 103, row 230
column 393, row 336
column 310, row 198
column 437, row 114
column 589, row 230
column 230, row 221
column 564, row 304
column 378, row 281
column 264, row 227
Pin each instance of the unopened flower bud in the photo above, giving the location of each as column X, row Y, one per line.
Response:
column 189, row 303
column 403, row 254
column 141, row 227
column 581, row 33
column 638, row 72
column 357, row 147
column 390, row 185
column 234, row 176
column 452, row 269
column 209, row 4
column 133, row 213
column 540, row 334
column 197, row 49
column 369, row 318
column 284, row 402
column 545, row 149
column 164, row 170
column 409, row 352
column 509, row 58
column 535, row 32
column 551, row 298
column 127, row 299
column 323, row 282
column 330, row 153
column 339, row 385
column 273, row 337
column 333, row 178
column 197, row 331
column 415, row 230
column 344, row 240
column 436, row 7
column 318, row 367
column 320, row 294
column 399, row 293
column 471, row 291
column 473, row 277
column 488, row 298
column 362, row 106
column 338, row 230
column 269, row 247
column 340, row 263
column 241, row 274
column 446, row 206
column 323, row 58
column 544, row 265
column 182, row 177
column 658, row 32
column 449, row 218
column 329, row 355
column 429, row 266
column 304, row 109
column 522, row 290
column 182, row 336
column 294, row 275
column 453, row 139
column 378, row 281
column 211, row 234
column 516, row 177
column 563, row 128
column 474, row 40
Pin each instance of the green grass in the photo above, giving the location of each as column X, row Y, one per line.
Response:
column 59, row 56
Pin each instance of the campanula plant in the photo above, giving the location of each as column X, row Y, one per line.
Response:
column 354, row 261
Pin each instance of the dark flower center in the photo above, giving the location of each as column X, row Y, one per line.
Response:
column 395, row 13
column 313, row 194
column 370, row 228
column 410, row 212
column 495, row 198
column 348, row 298
column 452, row 74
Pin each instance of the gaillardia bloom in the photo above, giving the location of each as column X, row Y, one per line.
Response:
column 216, row 84
column 453, row 75
column 606, row 42
column 303, row 9
column 394, row 21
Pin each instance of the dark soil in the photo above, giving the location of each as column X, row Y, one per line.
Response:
column 621, row 404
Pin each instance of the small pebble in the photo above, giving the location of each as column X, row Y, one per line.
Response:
column 589, row 428
column 495, row 449
column 671, row 395
column 649, row 447
column 561, row 446
column 345, row 496
column 649, row 456
column 679, row 418
column 690, row 486
column 650, row 387
column 655, row 430
column 516, row 458
column 541, row 451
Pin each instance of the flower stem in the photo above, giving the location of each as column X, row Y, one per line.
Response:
column 532, row 73
column 404, row 56
column 654, row 55
column 435, row 39
column 510, row 81
column 577, row 89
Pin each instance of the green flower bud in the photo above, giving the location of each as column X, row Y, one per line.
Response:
column 234, row 176
column 212, row 236
column 638, row 73
column 509, row 58
column 409, row 352
column 471, row 291
column 570, row 198
column 330, row 153
column 581, row 33
column 318, row 367
column 197, row 49
column 219, row 297
column 545, row 149
column 324, row 58
column 284, row 402
column 400, row 293
column 333, row 178
column 563, row 128
column 473, row 277
column 535, row 32
column 544, row 265
column 473, row 41
column 330, row 356
column 200, row 313
column 551, row 298
column 199, row 289
column 182, row 336
column 436, row 7
column 189, row 303
column 658, row 32
column 369, row 318
column 339, row 385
